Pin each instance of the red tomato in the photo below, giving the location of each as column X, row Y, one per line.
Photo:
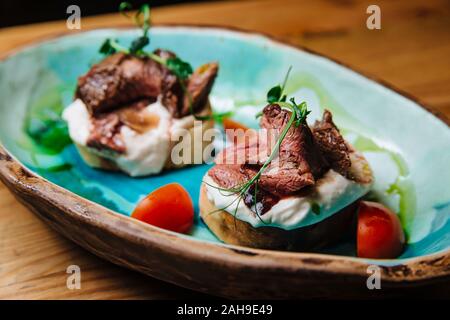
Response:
column 380, row 234
column 169, row 207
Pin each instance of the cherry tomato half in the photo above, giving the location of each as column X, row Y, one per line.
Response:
column 169, row 207
column 380, row 234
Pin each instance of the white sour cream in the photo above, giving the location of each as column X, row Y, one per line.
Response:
column 78, row 121
column 146, row 153
column 333, row 192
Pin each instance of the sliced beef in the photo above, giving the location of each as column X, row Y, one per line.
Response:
column 105, row 127
column 227, row 176
column 105, row 133
column 332, row 144
column 172, row 95
column 113, row 87
column 304, row 156
column 296, row 167
column 122, row 79
column 230, row 176
column 199, row 86
column 253, row 150
column 299, row 161
column 118, row 80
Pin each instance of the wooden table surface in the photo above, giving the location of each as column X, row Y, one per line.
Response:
column 411, row 51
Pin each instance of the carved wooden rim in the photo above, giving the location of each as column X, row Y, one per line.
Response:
column 27, row 185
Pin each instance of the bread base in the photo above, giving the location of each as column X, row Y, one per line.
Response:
column 234, row 231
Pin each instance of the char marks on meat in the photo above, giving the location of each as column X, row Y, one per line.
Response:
column 105, row 133
column 227, row 176
column 119, row 80
column 332, row 144
column 105, row 127
column 305, row 154
column 199, row 86
column 299, row 161
column 123, row 81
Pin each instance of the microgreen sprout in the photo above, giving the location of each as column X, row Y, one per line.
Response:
column 299, row 112
column 141, row 18
column 180, row 68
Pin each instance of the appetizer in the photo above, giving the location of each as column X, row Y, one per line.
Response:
column 131, row 108
column 159, row 209
column 297, row 191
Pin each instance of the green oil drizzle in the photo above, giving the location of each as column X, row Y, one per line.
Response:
column 403, row 186
column 44, row 126
column 59, row 168
column 326, row 101
column 45, row 132
column 46, row 136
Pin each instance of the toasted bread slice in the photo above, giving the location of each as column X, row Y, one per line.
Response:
column 234, row 231
column 328, row 231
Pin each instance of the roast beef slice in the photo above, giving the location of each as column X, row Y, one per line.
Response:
column 123, row 79
column 332, row 144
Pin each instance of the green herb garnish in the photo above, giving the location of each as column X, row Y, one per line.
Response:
column 107, row 47
column 315, row 208
column 49, row 133
column 59, row 168
column 275, row 94
column 43, row 123
column 180, row 68
column 141, row 18
column 299, row 112
column 138, row 44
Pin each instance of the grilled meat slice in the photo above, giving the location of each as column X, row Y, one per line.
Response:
column 122, row 79
column 299, row 161
column 332, row 144
column 117, row 81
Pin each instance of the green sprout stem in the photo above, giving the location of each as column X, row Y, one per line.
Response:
column 119, row 48
column 299, row 112
column 242, row 189
column 181, row 69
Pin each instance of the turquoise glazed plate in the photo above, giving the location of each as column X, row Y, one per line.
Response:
column 407, row 147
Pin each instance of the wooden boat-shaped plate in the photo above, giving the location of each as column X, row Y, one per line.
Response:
column 408, row 148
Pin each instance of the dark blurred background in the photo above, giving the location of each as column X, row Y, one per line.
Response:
column 17, row 12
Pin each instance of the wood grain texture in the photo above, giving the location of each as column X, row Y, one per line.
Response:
column 411, row 52
column 227, row 271
column 34, row 259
